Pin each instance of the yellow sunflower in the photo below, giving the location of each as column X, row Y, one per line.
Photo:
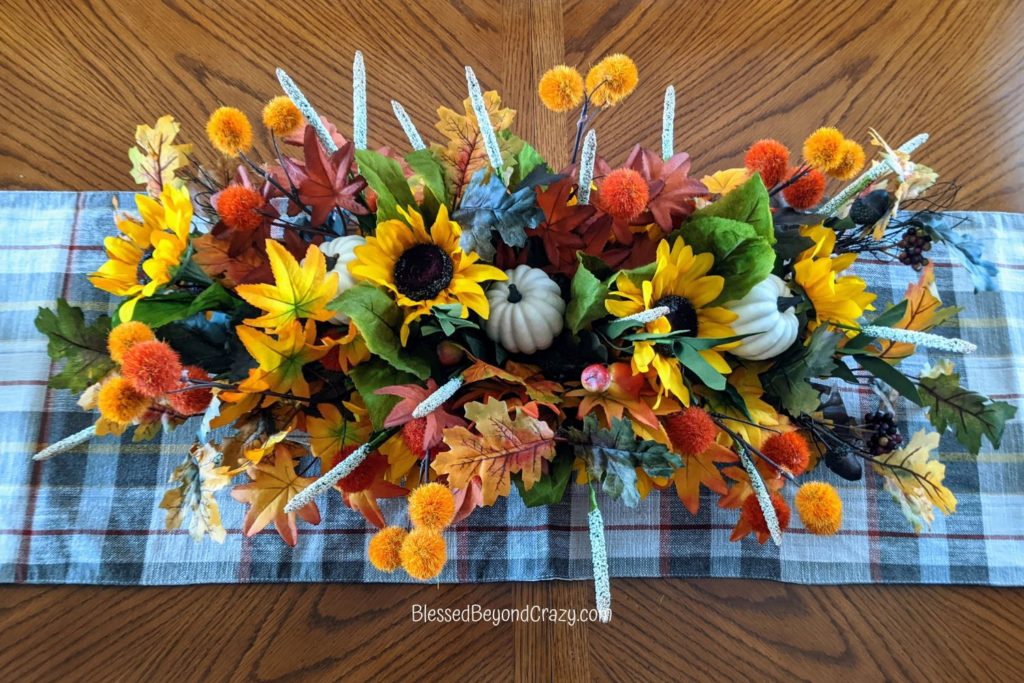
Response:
column 836, row 299
column 146, row 254
column 424, row 269
column 681, row 283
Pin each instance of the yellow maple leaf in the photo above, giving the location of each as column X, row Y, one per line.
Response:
column 502, row 446
column 156, row 158
column 331, row 432
column 273, row 485
column 914, row 479
column 280, row 360
column 725, row 181
column 299, row 291
column 924, row 311
column 463, row 152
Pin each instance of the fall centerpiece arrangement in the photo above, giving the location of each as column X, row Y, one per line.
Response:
column 447, row 322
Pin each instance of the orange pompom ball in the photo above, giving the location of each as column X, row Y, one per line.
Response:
column 125, row 336
column 152, row 367
column 281, row 116
column 423, row 554
column 611, row 80
column 820, row 508
column 385, row 548
column 789, row 450
column 806, row 192
column 691, row 431
column 624, row 193
column 119, row 402
column 413, row 433
column 229, row 131
column 193, row 401
column 561, row 88
column 770, row 158
column 822, row 148
column 751, row 512
column 363, row 476
column 431, row 506
column 851, row 160
column 240, row 208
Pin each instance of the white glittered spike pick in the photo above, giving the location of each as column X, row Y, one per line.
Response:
column 476, row 97
column 599, row 556
column 869, row 176
column 587, row 167
column 326, row 481
column 668, row 123
column 764, row 498
column 359, row 101
column 312, row 118
column 408, row 126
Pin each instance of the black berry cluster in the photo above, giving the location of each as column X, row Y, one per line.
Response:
column 885, row 435
column 916, row 242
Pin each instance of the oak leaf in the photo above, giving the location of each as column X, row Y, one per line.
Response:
column 156, row 158
column 915, row 480
column 273, row 485
column 463, row 153
column 196, row 479
column 501, row 446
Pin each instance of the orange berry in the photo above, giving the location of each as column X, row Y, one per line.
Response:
column 789, row 450
column 281, row 116
column 806, row 192
column 770, row 158
column 820, row 508
column 240, row 208
column 822, row 147
column 385, row 548
column 126, row 335
column 561, row 88
column 624, row 194
column 152, row 367
column 752, row 513
column 690, row 431
column 229, row 131
column 423, row 554
column 431, row 506
column 193, row 401
column 119, row 402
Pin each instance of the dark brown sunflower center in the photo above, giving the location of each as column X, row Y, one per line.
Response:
column 423, row 272
column 681, row 313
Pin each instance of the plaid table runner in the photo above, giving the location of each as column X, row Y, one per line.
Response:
column 91, row 515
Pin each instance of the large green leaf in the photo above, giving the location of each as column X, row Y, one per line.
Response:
column 586, row 302
column 551, row 487
column 431, row 172
column 891, row 376
column 82, row 347
column 372, row 375
column 748, row 203
column 378, row 317
column 970, row 415
column 168, row 307
column 788, row 380
column 612, row 455
column 385, row 177
column 742, row 257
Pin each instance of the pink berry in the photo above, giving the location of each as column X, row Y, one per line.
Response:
column 449, row 353
column 596, row 378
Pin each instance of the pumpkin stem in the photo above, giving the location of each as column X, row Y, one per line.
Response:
column 786, row 302
column 514, row 295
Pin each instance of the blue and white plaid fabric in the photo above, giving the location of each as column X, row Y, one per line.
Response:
column 92, row 516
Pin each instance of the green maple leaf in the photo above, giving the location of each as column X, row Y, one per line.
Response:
column 82, row 347
column 969, row 414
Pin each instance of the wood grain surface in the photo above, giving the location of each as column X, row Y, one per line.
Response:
column 77, row 77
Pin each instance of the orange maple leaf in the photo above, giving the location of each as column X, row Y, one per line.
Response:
column 924, row 311
column 502, row 446
column 273, row 485
column 701, row 469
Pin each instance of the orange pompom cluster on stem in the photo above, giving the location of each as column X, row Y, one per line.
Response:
column 624, row 194
column 789, row 449
column 691, row 431
column 125, row 336
column 192, row 401
column 119, row 402
column 240, row 208
column 820, row 508
column 152, row 367
column 386, row 547
column 431, row 506
column 770, row 158
column 423, row 554
column 805, row 191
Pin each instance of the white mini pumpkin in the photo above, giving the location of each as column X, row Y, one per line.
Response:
column 526, row 310
column 758, row 313
column 343, row 249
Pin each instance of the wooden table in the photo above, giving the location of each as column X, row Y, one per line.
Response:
column 77, row 78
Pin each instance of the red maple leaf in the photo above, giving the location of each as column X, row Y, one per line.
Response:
column 324, row 182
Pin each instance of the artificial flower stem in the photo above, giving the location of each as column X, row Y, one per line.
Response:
column 359, row 101
column 668, row 123
column 66, row 444
column 312, row 118
column 742, row 444
column 599, row 558
column 800, row 173
column 580, row 125
column 587, row 168
column 869, row 176
column 270, row 179
column 408, row 127
column 202, row 384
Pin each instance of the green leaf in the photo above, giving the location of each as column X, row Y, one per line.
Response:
column 372, row 375
column 891, row 376
column 425, row 165
column 82, row 346
column 527, row 160
column 748, row 203
column 788, row 379
column 612, row 456
column 171, row 306
column 695, row 363
column 385, row 177
column 887, row 318
column 378, row 317
column 970, row 415
column 551, row 487
column 742, row 257
column 586, row 299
